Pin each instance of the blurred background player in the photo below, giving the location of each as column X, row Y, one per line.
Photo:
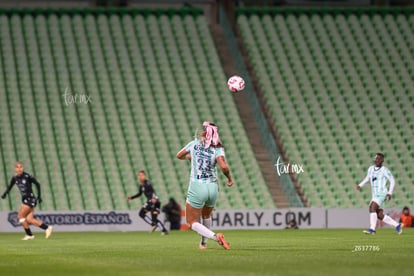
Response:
column 152, row 205
column 406, row 219
column 172, row 212
column 378, row 176
column 292, row 224
column 204, row 153
column 24, row 182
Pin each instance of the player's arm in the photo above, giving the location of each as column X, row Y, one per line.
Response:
column 135, row 196
column 39, row 192
column 390, row 178
column 183, row 154
column 363, row 182
column 3, row 196
column 225, row 169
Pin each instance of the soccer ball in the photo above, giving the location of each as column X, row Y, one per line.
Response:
column 236, row 83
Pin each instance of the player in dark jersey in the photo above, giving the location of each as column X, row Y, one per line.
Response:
column 24, row 182
column 152, row 205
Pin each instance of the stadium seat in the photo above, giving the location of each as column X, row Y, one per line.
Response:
column 152, row 78
column 334, row 77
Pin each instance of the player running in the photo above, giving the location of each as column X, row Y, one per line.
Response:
column 152, row 205
column 24, row 182
column 378, row 176
column 204, row 153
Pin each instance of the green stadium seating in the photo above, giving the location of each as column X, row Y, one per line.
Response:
column 153, row 77
column 338, row 85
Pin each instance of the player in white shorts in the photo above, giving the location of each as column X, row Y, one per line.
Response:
column 378, row 175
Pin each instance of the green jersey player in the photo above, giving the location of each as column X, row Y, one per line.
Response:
column 204, row 153
column 379, row 175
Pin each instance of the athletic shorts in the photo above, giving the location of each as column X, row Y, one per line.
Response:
column 202, row 194
column 29, row 201
column 379, row 199
column 149, row 206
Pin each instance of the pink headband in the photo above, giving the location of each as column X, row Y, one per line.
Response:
column 212, row 135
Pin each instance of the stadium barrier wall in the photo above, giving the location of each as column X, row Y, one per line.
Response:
column 306, row 218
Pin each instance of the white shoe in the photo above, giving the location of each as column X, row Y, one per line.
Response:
column 27, row 237
column 49, row 232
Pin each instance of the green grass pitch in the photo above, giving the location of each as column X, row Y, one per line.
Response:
column 279, row 252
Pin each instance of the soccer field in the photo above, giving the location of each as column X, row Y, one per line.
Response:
column 282, row 252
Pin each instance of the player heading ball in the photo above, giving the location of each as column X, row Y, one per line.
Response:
column 204, row 154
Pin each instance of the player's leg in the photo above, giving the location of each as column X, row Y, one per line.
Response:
column 143, row 214
column 194, row 203
column 192, row 216
column 210, row 203
column 155, row 212
column 24, row 211
column 196, row 198
column 373, row 218
column 199, row 196
column 31, row 220
column 388, row 220
column 206, row 220
column 161, row 226
column 208, row 209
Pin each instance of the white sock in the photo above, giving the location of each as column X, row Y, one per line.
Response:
column 207, row 224
column 373, row 220
column 203, row 231
column 161, row 226
column 148, row 220
column 390, row 221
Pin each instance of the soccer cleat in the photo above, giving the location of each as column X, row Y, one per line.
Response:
column 163, row 233
column 48, row 232
column 399, row 228
column 370, row 232
column 27, row 237
column 222, row 241
column 202, row 246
